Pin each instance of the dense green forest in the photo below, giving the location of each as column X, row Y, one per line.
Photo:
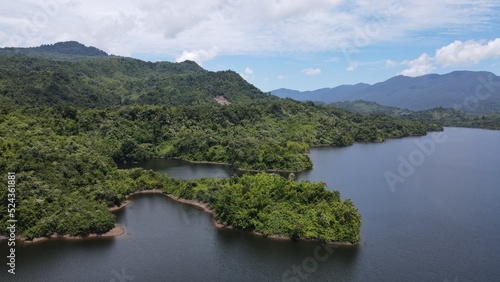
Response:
column 253, row 136
column 61, row 51
column 456, row 118
column 114, row 81
column 65, row 124
column 273, row 205
column 65, row 162
column 441, row 116
column 369, row 108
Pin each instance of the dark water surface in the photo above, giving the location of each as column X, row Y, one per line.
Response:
column 439, row 222
column 183, row 169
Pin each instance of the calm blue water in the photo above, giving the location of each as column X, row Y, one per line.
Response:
column 442, row 223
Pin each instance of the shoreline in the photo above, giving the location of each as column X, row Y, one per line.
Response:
column 237, row 168
column 307, row 154
column 117, row 230
column 128, row 201
column 199, row 205
column 286, row 170
column 206, row 209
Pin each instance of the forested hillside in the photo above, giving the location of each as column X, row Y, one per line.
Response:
column 64, row 158
column 61, row 51
column 441, row 116
column 71, row 74
column 456, row 118
column 116, row 81
column 64, row 124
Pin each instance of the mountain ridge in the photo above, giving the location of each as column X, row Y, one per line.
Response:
column 469, row 91
column 71, row 73
column 63, row 51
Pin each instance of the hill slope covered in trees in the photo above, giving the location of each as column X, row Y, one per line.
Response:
column 61, row 51
column 115, row 81
column 442, row 116
column 64, row 124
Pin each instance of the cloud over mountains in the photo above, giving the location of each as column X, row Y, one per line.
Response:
column 200, row 30
column 456, row 53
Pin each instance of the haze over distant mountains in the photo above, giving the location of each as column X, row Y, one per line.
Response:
column 468, row 91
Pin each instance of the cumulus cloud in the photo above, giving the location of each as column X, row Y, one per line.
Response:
column 352, row 66
column 456, row 53
column 175, row 27
column 199, row 56
column 391, row 64
column 248, row 73
column 468, row 52
column 311, row 71
column 420, row 66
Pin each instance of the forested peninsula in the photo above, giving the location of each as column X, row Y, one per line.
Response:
column 67, row 118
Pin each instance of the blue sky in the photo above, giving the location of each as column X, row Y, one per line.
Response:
column 296, row 44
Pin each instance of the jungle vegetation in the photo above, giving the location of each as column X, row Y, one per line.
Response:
column 65, row 124
column 441, row 116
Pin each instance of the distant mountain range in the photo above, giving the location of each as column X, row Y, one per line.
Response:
column 72, row 73
column 468, row 91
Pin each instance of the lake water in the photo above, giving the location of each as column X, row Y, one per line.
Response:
column 438, row 221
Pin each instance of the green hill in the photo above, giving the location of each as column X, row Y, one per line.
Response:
column 442, row 116
column 367, row 108
column 456, row 118
column 114, row 81
column 63, row 51
column 66, row 123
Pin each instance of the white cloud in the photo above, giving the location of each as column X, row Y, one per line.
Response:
column 352, row 66
column 248, row 71
column 281, row 77
column 199, row 56
column 311, row 71
column 421, row 66
column 176, row 27
column 391, row 64
column 456, row 53
column 468, row 52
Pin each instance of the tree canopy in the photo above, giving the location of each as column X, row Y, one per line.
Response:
column 65, row 124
